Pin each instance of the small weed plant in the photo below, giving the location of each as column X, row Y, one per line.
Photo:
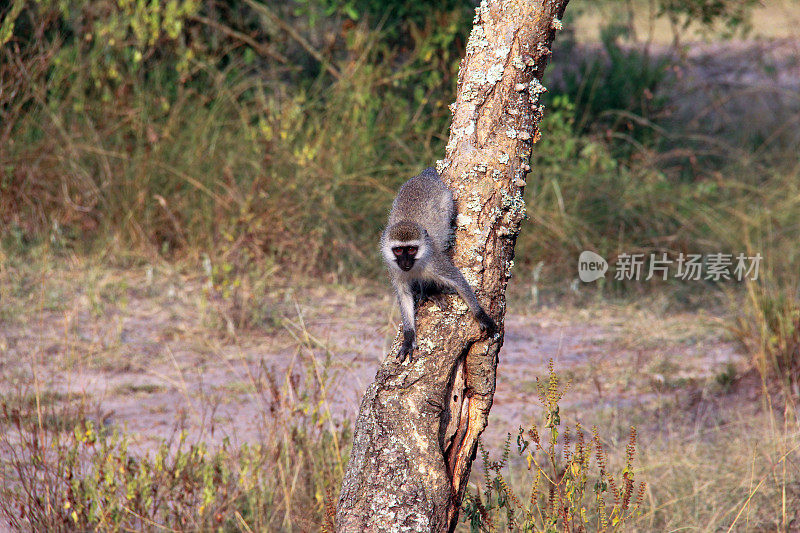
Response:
column 564, row 492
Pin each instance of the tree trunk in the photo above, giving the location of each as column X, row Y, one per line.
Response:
column 419, row 422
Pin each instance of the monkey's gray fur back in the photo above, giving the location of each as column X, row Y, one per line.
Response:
column 426, row 200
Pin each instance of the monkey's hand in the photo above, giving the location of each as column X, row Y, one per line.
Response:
column 407, row 348
column 486, row 323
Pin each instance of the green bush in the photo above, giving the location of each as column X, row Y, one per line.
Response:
column 217, row 160
column 580, row 197
column 618, row 91
column 182, row 130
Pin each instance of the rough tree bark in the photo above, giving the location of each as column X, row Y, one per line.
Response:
column 419, row 423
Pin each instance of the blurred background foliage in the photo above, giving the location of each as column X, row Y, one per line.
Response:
column 277, row 132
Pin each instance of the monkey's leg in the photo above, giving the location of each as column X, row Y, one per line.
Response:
column 435, row 293
column 405, row 297
column 448, row 275
column 440, row 299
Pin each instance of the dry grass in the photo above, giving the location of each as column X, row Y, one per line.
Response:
column 732, row 467
column 132, row 406
column 139, row 348
column 714, row 459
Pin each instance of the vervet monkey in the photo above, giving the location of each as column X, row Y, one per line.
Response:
column 414, row 246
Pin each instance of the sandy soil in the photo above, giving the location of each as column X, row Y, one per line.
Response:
column 770, row 19
column 145, row 354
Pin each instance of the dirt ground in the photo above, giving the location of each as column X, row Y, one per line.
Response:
column 770, row 19
column 143, row 347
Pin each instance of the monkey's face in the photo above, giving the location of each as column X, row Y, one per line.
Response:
column 405, row 256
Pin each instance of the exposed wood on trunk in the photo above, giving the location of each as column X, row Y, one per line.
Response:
column 419, row 422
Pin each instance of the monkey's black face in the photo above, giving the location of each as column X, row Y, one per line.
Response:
column 405, row 256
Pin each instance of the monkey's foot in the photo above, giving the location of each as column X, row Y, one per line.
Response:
column 486, row 323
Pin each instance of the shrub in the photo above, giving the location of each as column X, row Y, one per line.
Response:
column 561, row 483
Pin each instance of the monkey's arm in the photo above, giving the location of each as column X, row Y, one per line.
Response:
column 446, row 273
column 405, row 297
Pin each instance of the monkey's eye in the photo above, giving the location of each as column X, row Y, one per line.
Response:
column 412, row 250
column 397, row 251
